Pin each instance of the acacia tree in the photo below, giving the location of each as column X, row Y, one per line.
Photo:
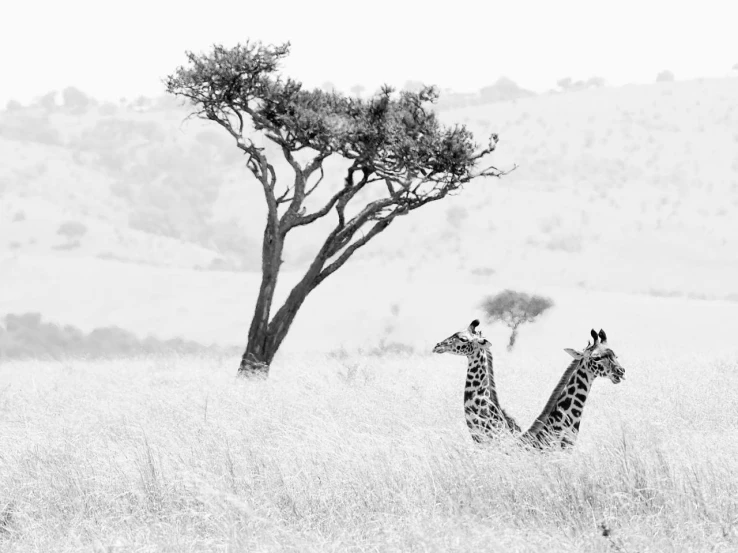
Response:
column 397, row 153
column 514, row 309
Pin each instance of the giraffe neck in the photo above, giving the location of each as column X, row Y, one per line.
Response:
column 484, row 415
column 559, row 422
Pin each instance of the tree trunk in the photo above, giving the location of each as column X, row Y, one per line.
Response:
column 513, row 337
column 265, row 337
column 259, row 350
column 265, row 342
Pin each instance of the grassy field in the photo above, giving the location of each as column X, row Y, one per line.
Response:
column 621, row 211
column 360, row 453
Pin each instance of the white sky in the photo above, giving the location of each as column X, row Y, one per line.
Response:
column 126, row 50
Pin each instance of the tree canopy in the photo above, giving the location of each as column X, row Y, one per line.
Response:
column 393, row 142
column 514, row 309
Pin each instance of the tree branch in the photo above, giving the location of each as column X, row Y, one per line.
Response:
column 349, row 251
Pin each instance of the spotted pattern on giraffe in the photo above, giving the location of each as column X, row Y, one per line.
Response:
column 558, row 424
column 485, row 417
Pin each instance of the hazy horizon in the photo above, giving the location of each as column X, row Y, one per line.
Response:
column 124, row 54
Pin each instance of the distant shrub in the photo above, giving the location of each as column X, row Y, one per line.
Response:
column 69, row 245
column 75, row 100
column 19, row 216
column 665, row 77
column 456, row 215
column 658, row 293
column 483, row 271
column 569, row 243
column 31, row 128
column 514, row 309
column 13, row 105
column 565, row 83
column 107, row 109
column 27, row 336
column 122, row 189
column 48, row 101
column 503, row 90
column 72, row 229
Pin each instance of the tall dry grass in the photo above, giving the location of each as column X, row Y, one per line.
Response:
column 359, row 454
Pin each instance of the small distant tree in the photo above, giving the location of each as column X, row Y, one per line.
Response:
column 504, row 89
column 13, row 105
column 565, row 84
column 76, row 100
column 595, row 82
column 514, row 309
column 357, row 90
column 398, row 159
column 665, row 77
column 48, row 101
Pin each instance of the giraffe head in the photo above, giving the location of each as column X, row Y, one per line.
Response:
column 599, row 359
column 464, row 342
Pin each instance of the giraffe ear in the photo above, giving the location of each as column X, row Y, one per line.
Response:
column 574, row 353
column 473, row 326
column 594, row 335
column 603, row 336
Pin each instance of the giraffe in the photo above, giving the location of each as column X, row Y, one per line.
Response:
column 485, row 417
column 558, row 423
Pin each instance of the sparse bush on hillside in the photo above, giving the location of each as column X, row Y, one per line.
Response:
column 19, row 216
column 665, row 77
column 27, row 336
column 75, row 100
column 23, row 126
column 122, row 189
column 503, row 90
column 108, row 109
column 66, row 246
column 456, row 215
column 567, row 84
column 13, row 105
column 48, row 101
column 565, row 242
column 483, row 271
column 514, row 309
column 72, row 229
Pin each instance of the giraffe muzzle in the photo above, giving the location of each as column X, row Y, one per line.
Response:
column 439, row 348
